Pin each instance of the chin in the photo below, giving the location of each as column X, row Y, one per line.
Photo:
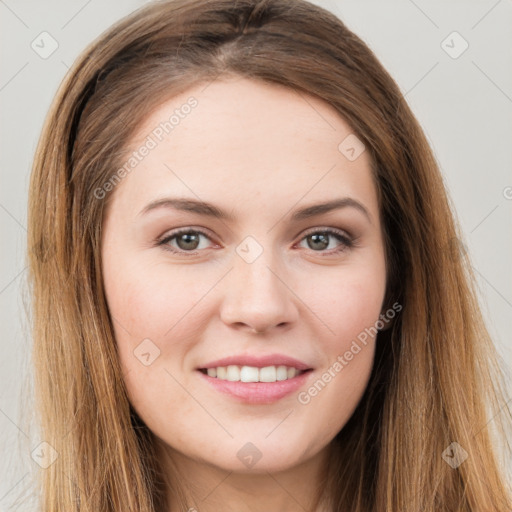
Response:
column 261, row 457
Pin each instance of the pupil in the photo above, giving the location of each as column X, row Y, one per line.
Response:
column 188, row 238
column 321, row 238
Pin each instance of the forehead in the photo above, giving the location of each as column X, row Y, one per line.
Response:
column 243, row 140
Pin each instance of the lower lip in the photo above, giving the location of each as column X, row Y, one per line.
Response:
column 257, row 392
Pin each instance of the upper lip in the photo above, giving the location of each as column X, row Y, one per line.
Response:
column 258, row 361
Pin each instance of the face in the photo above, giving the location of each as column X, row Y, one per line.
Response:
column 257, row 285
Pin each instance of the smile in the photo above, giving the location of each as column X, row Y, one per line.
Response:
column 236, row 373
column 255, row 391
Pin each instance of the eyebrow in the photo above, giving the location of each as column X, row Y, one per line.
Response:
column 210, row 210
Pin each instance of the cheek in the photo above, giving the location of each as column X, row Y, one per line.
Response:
column 347, row 303
column 150, row 300
column 156, row 322
column 349, row 314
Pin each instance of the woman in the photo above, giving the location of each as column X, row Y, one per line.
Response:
column 248, row 289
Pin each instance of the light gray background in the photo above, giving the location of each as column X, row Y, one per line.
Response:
column 464, row 105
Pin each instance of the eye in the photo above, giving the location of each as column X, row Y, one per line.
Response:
column 186, row 240
column 319, row 240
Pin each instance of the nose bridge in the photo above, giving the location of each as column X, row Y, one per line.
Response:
column 256, row 293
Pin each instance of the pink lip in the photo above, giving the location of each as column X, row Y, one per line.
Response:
column 258, row 362
column 257, row 392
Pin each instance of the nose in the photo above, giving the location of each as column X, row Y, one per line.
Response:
column 257, row 297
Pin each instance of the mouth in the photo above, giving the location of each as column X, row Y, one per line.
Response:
column 255, row 378
column 238, row 373
column 252, row 385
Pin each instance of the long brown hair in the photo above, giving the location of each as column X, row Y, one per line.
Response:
column 436, row 379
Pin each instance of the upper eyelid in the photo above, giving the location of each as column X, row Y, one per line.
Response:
column 179, row 231
column 331, row 230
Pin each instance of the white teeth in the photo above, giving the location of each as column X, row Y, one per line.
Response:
column 268, row 374
column 281, row 373
column 235, row 373
column 249, row 374
column 291, row 372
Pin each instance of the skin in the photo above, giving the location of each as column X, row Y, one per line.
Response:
column 258, row 151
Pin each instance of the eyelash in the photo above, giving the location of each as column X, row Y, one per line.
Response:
column 347, row 242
